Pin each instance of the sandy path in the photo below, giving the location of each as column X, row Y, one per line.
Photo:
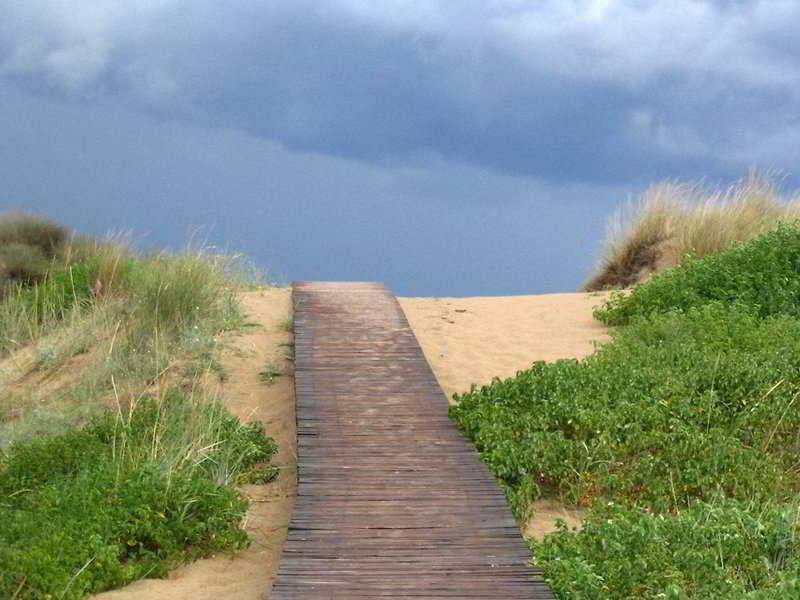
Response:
column 249, row 574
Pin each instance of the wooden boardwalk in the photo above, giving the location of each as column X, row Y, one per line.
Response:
column 392, row 500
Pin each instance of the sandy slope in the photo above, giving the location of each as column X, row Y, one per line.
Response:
column 466, row 340
column 471, row 340
column 249, row 574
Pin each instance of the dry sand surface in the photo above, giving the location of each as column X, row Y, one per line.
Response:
column 472, row 340
column 249, row 574
column 466, row 340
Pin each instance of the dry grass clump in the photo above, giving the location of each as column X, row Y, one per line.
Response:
column 28, row 244
column 34, row 231
column 674, row 220
column 32, row 248
column 99, row 319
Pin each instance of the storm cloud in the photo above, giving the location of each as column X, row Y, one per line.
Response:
column 564, row 91
column 447, row 148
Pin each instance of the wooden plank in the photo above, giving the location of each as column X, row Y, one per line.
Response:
column 392, row 501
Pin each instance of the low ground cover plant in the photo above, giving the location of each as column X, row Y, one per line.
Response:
column 117, row 459
column 681, row 435
column 714, row 549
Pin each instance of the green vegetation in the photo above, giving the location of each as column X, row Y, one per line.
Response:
column 763, row 274
column 117, row 460
column 675, row 220
column 270, row 372
column 124, row 498
column 681, row 435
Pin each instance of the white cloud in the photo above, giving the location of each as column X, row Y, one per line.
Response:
column 70, row 43
column 633, row 42
column 78, row 65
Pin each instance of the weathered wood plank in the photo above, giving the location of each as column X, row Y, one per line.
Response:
column 392, row 501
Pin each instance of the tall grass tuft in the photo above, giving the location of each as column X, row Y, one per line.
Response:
column 28, row 245
column 176, row 293
column 675, row 220
column 32, row 230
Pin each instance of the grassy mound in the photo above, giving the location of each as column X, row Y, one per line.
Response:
column 763, row 274
column 681, row 435
column 117, row 459
column 673, row 221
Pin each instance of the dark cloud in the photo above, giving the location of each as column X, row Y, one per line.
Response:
column 430, row 227
column 598, row 91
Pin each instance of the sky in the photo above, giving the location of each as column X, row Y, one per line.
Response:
column 445, row 148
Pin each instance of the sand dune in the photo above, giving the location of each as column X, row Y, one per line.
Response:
column 249, row 574
column 466, row 340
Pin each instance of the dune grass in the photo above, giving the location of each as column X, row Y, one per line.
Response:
column 681, row 435
column 27, row 245
column 673, row 221
column 117, row 459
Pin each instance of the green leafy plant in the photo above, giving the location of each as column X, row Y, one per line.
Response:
column 125, row 496
column 720, row 549
column 680, row 435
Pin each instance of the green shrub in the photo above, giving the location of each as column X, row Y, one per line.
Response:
column 763, row 273
column 681, row 409
column 717, row 550
column 674, row 409
column 124, row 498
column 681, row 435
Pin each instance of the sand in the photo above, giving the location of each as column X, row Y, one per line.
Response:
column 249, row 574
column 472, row 340
column 466, row 340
